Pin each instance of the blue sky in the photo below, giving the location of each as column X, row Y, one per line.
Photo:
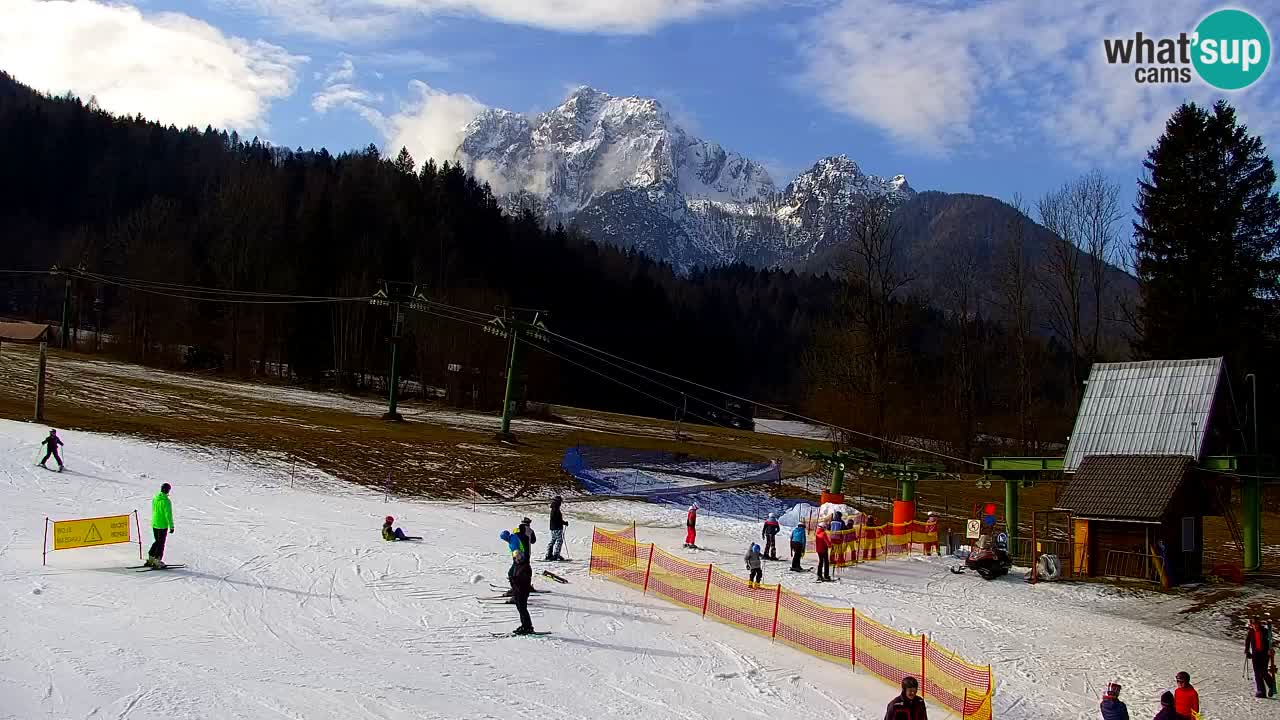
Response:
column 986, row 97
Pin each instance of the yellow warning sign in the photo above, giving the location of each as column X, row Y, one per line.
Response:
column 69, row 534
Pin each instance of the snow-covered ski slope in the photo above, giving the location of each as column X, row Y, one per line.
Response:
column 291, row 606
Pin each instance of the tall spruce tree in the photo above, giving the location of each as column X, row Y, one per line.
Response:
column 1206, row 241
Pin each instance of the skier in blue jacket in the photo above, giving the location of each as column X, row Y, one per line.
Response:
column 520, row 575
column 797, row 547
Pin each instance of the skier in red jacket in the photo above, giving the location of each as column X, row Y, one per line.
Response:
column 691, row 522
column 823, row 546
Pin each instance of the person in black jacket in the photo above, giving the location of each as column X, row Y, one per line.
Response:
column 1111, row 707
column 558, row 524
column 520, row 575
column 909, row 705
column 1167, row 711
column 52, row 442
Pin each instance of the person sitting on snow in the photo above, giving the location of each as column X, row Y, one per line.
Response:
column 753, row 566
column 1111, row 707
column 769, row 534
column 394, row 534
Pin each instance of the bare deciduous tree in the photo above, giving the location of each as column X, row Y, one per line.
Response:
column 1015, row 281
column 875, row 269
column 1083, row 214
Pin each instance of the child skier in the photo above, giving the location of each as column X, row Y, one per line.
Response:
column 931, row 530
column 691, row 522
column 769, row 534
column 797, row 547
column 394, row 534
column 1167, row 709
column 753, row 566
column 52, row 442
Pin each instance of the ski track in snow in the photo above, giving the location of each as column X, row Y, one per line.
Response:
column 291, row 606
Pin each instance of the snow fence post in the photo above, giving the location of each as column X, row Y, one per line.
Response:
column 777, row 600
column 647, row 565
column 138, row 527
column 853, row 637
column 706, row 594
column 591, row 565
column 44, row 553
column 924, row 644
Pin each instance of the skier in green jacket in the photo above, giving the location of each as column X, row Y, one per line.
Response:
column 161, row 525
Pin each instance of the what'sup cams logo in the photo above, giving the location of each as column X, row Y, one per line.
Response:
column 1229, row 49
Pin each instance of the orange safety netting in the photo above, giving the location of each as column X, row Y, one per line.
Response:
column 862, row 543
column 733, row 602
column 840, row 635
column 618, row 557
column 678, row 580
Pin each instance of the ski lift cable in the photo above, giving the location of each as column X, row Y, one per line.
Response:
column 766, row 406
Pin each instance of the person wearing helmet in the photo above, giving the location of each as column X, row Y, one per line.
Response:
column 52, row 443
column 691, row 523
column 520, row 575
column 823, row 546
column 526, row 527
column 388, row 533
column 909, row 705
column 798, row 541
column 161, row 526
column 1186, row 700
column 769, row 534
column 931, row 534
column 558, row 524
column 1111, row 707
column 754, row 570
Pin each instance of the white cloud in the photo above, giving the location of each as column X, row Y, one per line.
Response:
column 430, row 123
column 939, row 76
column 348, row 18
column 166, row 66
column 343, row 95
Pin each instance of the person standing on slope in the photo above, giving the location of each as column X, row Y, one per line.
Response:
column 797, row 547
column 1186, row 700
column 520, row 575
column 1111, row 707
column 691, row 522
column 558, row 524
column 52, row 443
column 823, row 547
column 754, row 570
column 909, row 705
column 161, row 526
column 770, row 534
column 1257, row 647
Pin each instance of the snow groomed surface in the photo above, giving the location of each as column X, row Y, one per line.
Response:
column 841, row 635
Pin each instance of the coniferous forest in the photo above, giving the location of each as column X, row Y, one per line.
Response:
column 149, row 215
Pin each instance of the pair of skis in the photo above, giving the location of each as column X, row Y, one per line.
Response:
column 149, row 568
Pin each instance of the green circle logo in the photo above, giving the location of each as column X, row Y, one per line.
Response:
column 1232, row 49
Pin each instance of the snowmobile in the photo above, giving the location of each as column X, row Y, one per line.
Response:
column 989, row 559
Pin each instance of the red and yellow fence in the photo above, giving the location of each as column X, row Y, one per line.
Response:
column 841, row 635
column 863, row 543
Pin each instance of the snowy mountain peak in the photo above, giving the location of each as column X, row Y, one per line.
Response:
column 624, row 169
